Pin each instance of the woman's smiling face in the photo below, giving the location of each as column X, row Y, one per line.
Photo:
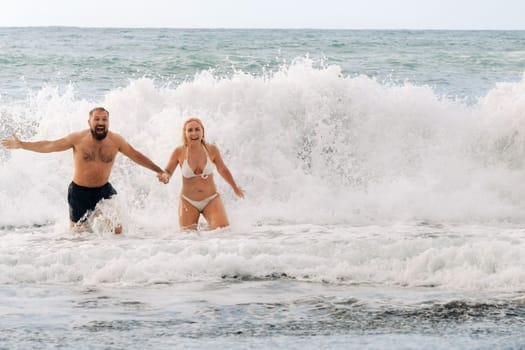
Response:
column 193, row 131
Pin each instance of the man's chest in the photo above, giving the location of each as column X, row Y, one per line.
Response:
column 96, row 153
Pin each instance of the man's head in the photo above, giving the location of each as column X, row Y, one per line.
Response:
column 99, row 122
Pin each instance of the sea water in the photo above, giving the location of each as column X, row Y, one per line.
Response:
column 384, row 186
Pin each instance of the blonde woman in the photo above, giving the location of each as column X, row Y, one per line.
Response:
column 199, row 196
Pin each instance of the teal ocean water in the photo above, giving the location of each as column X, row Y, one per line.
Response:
column 95, row 61
column 384, row 179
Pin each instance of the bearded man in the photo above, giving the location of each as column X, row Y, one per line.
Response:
column 94, row 153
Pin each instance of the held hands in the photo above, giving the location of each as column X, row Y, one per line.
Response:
column 13, row 142
column 164, row 177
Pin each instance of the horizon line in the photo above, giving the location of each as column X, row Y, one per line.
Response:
column 260, row 28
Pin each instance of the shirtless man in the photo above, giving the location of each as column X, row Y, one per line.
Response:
column 94, row 153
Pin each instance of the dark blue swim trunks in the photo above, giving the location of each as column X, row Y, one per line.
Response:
column 83, row 199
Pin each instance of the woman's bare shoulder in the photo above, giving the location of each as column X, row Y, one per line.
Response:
column 178, row 152
column 212, row 148
column 178, row 149
column 213, row 151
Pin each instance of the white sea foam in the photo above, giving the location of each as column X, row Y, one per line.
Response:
column 478, row 259
column 378, row 213
column 311, row 147
column 307, row 144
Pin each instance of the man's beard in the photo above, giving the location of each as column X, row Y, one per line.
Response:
column 99, row 136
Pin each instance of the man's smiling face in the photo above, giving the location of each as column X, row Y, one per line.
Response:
column 99, row 124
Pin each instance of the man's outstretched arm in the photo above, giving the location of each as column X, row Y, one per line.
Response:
column 38, row 146
column 138, row 157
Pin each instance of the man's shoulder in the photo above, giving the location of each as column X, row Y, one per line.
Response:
column 77, row 136
column 116, row 138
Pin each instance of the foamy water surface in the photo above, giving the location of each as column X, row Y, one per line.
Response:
column 384, row 196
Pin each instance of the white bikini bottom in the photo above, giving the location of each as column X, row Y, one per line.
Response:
column 200, row 205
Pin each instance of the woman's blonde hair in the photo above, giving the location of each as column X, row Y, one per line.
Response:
column 192, row 119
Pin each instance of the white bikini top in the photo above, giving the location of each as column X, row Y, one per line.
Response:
column 187, row 172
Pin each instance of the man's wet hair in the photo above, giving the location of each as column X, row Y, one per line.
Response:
column 98, row 109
